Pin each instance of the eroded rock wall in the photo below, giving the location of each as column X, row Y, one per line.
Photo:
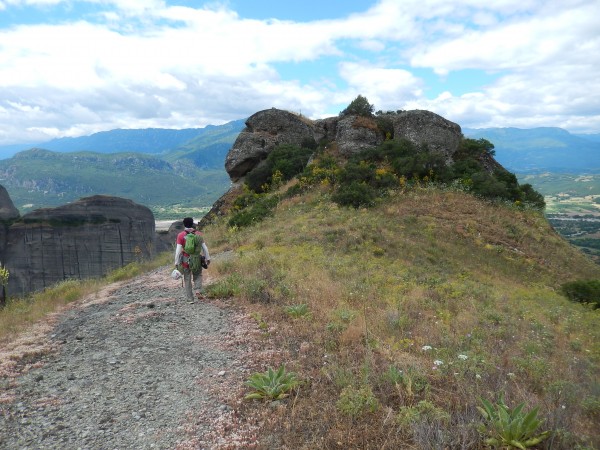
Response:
column 84, row 239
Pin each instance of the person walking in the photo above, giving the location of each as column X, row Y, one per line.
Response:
column 192, row 271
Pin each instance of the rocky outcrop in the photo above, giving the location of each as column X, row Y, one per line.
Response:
column 264, row 131
column 355, row 134
column 84, row 239
column 7, row 208
column 269, row 128
column 425, row 127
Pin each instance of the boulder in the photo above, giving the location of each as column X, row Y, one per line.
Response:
column 356, row 133
column 264, row 131
column 84, row 239
column 425, row 127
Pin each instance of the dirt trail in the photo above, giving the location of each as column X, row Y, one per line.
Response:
column 132, row 367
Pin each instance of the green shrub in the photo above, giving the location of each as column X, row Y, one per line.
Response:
column 355, row 194
column 355, row 402
column 288, row 159
column 360, row 106
column 255, row 212
column 583, row 291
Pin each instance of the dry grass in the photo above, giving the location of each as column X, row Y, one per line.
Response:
column 457, row 295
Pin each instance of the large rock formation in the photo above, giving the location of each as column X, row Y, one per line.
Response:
column 264, row 131
column 7, row 208
column 269, row 128
column 84, row 239
column 425, row 127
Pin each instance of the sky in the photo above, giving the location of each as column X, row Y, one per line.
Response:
column 71, row 68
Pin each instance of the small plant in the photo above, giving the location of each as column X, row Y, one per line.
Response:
column 297, row 311
column 272, row 385
column 225, row 288
column 4, row 274
column 424, row 410
column 355, row 402
column 510, row 428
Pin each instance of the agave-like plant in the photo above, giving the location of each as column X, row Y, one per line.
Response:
column 272, row 385
column 510, row 428
column 297, row 311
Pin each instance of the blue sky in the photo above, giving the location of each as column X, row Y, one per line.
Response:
column 72, row 68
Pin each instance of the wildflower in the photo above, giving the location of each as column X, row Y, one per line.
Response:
column 438, row 362
column 426, row 347
column 511, row 375
column 478, row 376
column 463, row 357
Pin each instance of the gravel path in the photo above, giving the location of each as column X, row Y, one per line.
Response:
column 135, row 367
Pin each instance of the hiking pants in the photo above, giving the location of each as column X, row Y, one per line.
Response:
column 188, row 275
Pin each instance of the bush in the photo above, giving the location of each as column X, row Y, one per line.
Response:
column 289, row 160
column 583, row 291
column 355, row 402
column 360, row 106
column 355, row 194
column 257, row 211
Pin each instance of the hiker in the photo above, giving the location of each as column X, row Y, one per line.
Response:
column 190, row 265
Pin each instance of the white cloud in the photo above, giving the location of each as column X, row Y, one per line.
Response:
column 385, row 88
column 144, row 63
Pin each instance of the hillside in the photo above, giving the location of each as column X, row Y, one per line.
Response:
column 39, row 178
column 542, row 149
column 399, row 318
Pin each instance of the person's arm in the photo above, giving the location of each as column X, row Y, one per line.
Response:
column 205, row 251
column 178, row 252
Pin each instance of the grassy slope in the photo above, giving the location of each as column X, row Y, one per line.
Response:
column 424, row 268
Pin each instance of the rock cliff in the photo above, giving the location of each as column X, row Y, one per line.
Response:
column 84, row 239
column 269, row 128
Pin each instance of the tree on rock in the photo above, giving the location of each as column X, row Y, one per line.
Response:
column 360, row 106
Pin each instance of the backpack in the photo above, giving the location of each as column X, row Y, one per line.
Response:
column 193, row 244
column 193, row 247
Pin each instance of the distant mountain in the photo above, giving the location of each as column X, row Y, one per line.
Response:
column 208, row 149
column 41, row 178
column 541, row 149
column 590, row 137
column 152, row 141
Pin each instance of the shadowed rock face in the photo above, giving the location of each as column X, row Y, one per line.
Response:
column 85, row 239
column 425, row 127
column 352, row 134
column 7, row 207
column 264, row 131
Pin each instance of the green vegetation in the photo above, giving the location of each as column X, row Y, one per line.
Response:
column 272, row 385
column 419, row 306
column 360, row 106
column 510, row 428
column 368, row 177
column 583, row 291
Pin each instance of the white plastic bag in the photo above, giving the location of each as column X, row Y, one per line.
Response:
column 176, row 274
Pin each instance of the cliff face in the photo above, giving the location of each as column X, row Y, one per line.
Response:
column 269, row 128
column 84, row 239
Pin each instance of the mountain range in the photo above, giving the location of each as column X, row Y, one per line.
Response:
column 542, row 149
column 163, row 168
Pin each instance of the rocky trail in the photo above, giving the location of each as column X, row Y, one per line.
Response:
column 134, row 366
